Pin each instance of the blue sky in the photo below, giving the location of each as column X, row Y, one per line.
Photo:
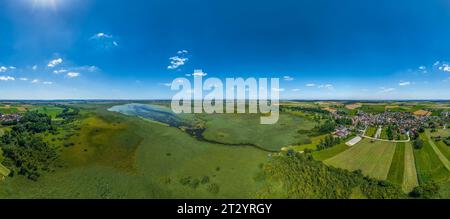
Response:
column 322, row 49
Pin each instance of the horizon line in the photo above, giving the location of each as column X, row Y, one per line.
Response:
column 166, row 99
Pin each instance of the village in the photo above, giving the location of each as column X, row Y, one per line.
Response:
column 9, row 118
column 405, row 123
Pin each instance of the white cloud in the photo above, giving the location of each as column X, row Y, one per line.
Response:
column 445, row 67
column 310, row 85
column 422, row 67
column 73, row 74
column 404, row 83
column 199, row 73
column 55, row 62
column 92, row 68
column 34, row 67
column 102, row 35
column 176, row 62
column 3, row 69
column 327, row 86
column 23, row 79
column 166, row 84
column 436, row 63
column 181, row 52
column 288, row 78
column 7, row 78
column 37, row 81
column 60, row 71
column 386, row 90
column 105, row 40
column 295, row 90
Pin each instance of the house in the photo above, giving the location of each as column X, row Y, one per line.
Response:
column 341, row 131
column 5, row 118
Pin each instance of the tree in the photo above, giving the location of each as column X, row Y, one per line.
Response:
column 24, row 151
column 427, row 190
column 418, row 143
column 421, row 130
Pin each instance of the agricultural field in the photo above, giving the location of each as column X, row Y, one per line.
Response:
column 397, row 168
column 372, row 158
column 313, row 145
column 52, row 111
column 373, row 108
column 442, row 156
column 410, row 173
column 8, row 108
column 384, row 134
column 371, row 131
column 330, row 152
column 428, row 165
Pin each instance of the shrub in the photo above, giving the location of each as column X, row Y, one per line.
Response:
column 205, row 179
column 213, row 188
column 185, row 180
column 447, row 141
column 427, row 190
column 194, row 183
column 418, row 143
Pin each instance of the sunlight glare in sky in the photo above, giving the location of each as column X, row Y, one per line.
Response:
column 45, row 3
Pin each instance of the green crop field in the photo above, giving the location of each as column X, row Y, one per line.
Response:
column 441, row 133
column 371, row 131
column 52, row 111
column 384, row 133
column 410, row 174
column 330, row 152
column 372, row 108
column 397, row 168
column 313, row 145
column 438, row 152
column 428, row 164
column 445, row 150
column 374, row 159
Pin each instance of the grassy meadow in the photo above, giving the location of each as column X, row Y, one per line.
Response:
column 397, row 168
column 330, row 152
column 116, row 156
column 372, row 158
column 246, row 129
column 428, row 164
column 410, row 173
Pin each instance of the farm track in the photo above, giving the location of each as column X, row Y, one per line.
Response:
column 377, row 135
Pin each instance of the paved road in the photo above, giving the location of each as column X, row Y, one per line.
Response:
column 379, row 139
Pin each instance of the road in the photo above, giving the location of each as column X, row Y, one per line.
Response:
column 379, row 139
